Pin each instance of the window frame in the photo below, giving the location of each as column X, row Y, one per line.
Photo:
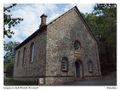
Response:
column 77, row 45
column 18, row 58
column 90, row 66
column 32, row 52
column 64, row 64
column 24, row 54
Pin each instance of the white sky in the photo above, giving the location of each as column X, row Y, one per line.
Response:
column 31, row 14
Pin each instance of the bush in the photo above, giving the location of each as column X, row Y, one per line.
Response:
column 9, row 69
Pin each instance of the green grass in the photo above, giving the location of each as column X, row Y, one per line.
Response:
column 18, row 82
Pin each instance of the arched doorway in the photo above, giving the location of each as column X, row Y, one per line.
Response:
column 78, row 69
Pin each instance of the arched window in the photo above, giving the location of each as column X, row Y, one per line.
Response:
column 64, row 64
column 90, row 66
column 32, row 52
column 24, row 53
column 77, row 45
column 18, row 58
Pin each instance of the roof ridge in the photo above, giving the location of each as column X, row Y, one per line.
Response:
column 86, row 23
column 39, row 30
column 43, row 28
column 61, row 15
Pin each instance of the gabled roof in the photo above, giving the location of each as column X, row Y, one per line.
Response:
column 82, row 18
column 41, row 29
column 86, row 24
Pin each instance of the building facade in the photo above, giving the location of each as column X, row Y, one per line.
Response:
column 60, row 51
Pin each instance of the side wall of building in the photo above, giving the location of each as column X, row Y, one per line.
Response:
column 61, row 35
column 35, row 69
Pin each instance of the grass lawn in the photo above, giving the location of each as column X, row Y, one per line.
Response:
column 11, row 81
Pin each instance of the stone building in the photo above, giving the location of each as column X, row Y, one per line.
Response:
column 60, row 51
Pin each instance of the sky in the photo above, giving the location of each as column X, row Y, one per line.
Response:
column 31, row 16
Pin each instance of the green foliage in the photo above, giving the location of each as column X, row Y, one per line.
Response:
column 9, row 69
column 103, row 23
column 18, row 82
column 9, row 57
column 9, row 50
column 102, row 20
column 9, row 21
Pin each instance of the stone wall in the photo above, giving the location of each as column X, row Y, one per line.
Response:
column 54, row 44
column 61, row 35
column 37, row 67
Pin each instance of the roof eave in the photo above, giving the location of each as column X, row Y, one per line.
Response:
column 40, row 30
column 90, row 30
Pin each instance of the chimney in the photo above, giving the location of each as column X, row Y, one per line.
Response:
column 43, row 20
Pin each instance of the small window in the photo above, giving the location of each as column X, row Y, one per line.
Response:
column 32, row 52
column 18, row 58
column 77, row 45
column 64, row 64
column 90, row 66
column 24, row 53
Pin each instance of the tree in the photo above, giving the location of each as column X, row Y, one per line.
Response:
column 103, row 23
column 9, row 57
column 9, row 67
column 9, row 21
column 9, row 50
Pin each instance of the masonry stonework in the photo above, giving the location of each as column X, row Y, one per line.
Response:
column 32, row 69
column 55, row 42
